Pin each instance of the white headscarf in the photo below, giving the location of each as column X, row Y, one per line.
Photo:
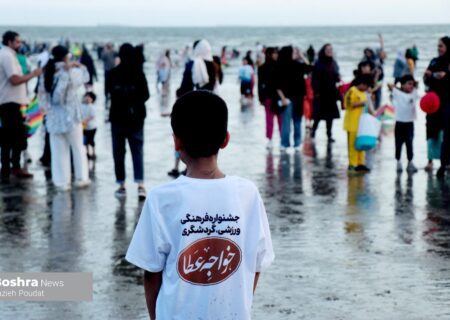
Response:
column 202, row 53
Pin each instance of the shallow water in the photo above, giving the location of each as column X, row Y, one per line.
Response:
column 347, row 247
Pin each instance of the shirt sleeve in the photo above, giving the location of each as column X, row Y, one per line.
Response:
column 147, row 249
column 395, row 97
column 8, row 65
column 348, row 99
column 79, row 76
column 265, row 254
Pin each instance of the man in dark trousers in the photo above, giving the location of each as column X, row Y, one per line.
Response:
column 13, row 94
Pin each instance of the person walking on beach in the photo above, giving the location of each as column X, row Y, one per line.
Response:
column 325, row 78
column 42, row 60
column 88, row 62
column 163, row 69
column 62, row 80
column 224, row 56
column 437, row 79
column 376, row 57
column 204, row 239
column 308, row 101
column 246, row 78
column 109, row 58
column 290, row 85
column 200, row 73
column 219, row 73
column 129, row 91
column 267, row 93
column 13, row 94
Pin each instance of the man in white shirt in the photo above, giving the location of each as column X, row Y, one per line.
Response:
column 13, row 94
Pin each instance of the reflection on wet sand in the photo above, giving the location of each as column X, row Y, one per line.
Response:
column 347, row 247
column 121, row 238
column 437, row 222
column 404, row 209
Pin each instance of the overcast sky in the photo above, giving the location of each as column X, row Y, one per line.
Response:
column 223, row 13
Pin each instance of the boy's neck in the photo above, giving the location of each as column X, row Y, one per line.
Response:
column 204, row 168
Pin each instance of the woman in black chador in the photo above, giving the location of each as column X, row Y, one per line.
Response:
column 324, row 80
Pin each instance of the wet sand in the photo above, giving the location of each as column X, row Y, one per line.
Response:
column 347, row 247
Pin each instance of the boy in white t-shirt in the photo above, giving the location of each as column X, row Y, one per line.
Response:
column 405, row 100
column 204, row 238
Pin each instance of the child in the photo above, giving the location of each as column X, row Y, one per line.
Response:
column 404, row 101
column 202, row 239
column 246, row 75
column 89, row 123
column 355, row 101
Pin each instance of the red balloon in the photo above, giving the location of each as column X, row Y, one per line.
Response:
column 430, row 102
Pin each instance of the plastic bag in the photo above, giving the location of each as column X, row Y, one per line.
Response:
column 368, row 132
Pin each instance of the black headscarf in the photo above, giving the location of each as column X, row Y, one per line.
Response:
column 58, row 54
column 127, row 54
column 131, row 61
column 323, row 58
column 285, row 55
column 446, row 56
column 269, row 52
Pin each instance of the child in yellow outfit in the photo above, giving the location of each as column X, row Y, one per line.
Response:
column 355, row 102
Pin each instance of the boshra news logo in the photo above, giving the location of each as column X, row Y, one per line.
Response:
column 8, row 287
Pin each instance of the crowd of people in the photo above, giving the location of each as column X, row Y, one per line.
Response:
column 291, row 85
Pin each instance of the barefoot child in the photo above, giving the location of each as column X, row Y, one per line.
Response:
column 356, row 100
column 404, row 100
column 204, row 238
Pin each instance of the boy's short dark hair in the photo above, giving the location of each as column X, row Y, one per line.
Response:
column 407, row 78
column 9, row 36
column 200, row 120
column 366, row 79
column 91, row 95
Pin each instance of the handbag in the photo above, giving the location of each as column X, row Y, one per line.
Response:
column 368, row 132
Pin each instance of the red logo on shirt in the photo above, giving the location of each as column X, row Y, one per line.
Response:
column 209, row 261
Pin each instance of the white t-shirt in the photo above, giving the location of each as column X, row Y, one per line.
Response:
column 209, row 237
column 405, row 105
column 10, row 66
column 88, row 111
